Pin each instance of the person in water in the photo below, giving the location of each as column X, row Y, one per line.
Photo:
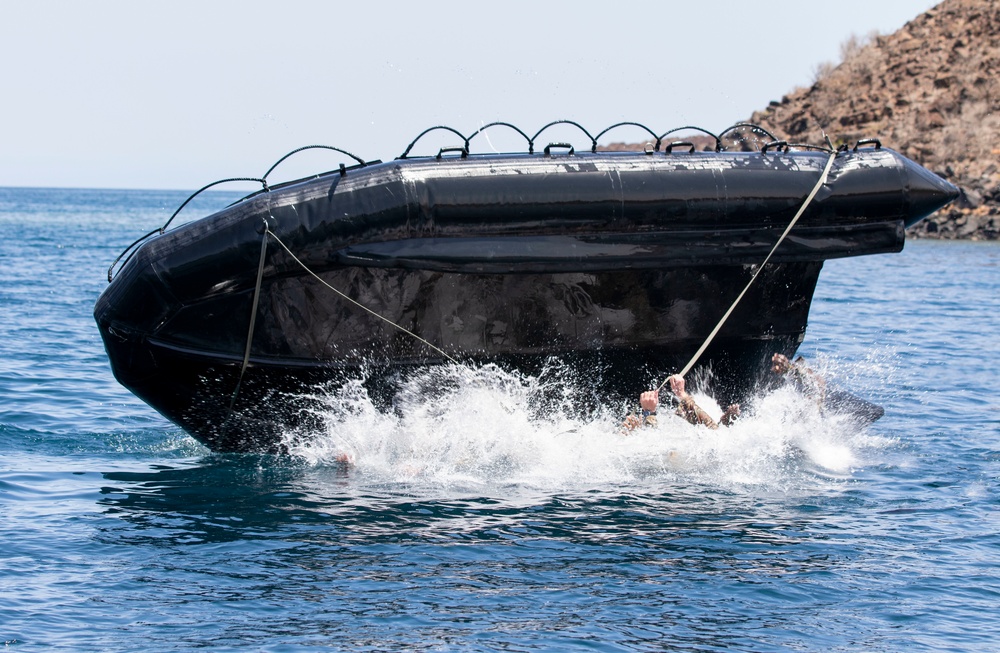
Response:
column 687, row 408
column 804, row 379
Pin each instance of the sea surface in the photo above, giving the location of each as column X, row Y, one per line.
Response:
column 472, row 521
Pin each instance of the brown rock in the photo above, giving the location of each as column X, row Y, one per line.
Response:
column 930, row 91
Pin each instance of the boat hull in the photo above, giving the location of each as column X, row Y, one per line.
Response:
column 619, row 265
column 622, row 329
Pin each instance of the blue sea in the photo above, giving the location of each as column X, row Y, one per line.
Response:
column 469, row 521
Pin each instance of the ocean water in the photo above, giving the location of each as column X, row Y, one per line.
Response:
column 473, row 520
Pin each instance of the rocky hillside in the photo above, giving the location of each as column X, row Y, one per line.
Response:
column 930, row 91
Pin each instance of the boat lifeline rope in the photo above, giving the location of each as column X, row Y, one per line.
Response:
column 802, row 209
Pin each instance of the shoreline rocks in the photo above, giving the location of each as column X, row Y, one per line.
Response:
column 930, row 91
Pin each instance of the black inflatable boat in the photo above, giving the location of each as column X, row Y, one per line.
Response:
column 614, row 261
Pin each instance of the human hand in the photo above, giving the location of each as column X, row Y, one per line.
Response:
column 780, row 364
column 631, row 423
column 677, row 385
column 649, row 400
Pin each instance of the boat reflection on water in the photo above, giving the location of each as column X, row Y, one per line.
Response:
column 219, row 499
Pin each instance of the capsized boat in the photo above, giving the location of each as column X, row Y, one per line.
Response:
column 619, row 263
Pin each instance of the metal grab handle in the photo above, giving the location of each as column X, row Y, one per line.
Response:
column 868, row 141
column 457, row 148
column 548, row 148
column 777, row 145
column 669, row 148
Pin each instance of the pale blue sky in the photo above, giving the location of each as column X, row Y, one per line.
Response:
column 135, row 94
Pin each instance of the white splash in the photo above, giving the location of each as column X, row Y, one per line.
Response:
column 478, row 427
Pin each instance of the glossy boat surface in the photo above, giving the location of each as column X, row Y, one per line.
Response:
column 619, row 263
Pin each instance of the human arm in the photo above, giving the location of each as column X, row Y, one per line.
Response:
column 695, row 414
column 687, row 408
column 807, row 380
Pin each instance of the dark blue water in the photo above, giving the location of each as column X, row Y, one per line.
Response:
column 472, row 523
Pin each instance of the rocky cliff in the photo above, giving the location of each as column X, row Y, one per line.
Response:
column 930, row 91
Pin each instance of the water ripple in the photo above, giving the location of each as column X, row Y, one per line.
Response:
column 532, row 531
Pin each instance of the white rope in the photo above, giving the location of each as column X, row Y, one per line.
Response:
column 802, row 209
column 359, row 305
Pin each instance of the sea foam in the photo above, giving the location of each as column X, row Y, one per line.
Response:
column 480, row 427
